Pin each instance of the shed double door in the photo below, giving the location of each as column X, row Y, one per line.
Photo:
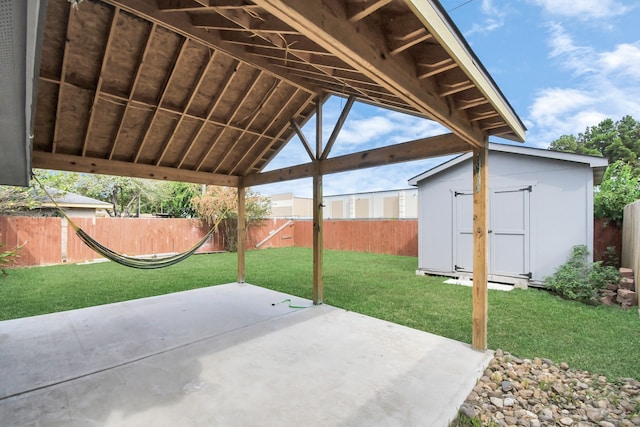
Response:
column 509, row 229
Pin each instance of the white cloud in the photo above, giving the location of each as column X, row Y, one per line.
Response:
column 555, row 112
column 363, row 131
column 555, row 102
column 578, row 59
column 604, row 84
column 583, row 9
column 494, row 18
column 624, row 60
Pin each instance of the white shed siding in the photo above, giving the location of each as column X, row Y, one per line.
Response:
column 561, row 208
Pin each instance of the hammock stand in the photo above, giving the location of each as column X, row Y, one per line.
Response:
column 128, row 261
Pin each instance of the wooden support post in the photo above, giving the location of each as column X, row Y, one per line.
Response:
column 480, row 245
column 242, row 233
column 318, row 284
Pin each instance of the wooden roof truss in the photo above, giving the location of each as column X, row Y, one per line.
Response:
column 210, row 91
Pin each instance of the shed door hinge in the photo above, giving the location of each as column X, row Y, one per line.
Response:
column 457, row 267
column 528, row 275
column 529, row 189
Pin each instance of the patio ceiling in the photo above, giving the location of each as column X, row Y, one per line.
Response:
column 210, row 91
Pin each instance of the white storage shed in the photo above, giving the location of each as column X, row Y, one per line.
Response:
column 540, row 206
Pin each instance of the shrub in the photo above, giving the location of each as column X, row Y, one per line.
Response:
column 8, row 256
column 579, row 279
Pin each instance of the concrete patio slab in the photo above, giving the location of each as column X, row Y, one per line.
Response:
column 226, row 356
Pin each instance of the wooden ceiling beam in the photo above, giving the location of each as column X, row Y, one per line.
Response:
column 283, row 129
column 179, row 5
column 418, row 149
column 494, row 125
column 430, row 70
column 465, row 104
column 165, row 86
column 303, row 139
column 63, row 73
column 484, row 116
column 200, row 5
column 235, row 111
column 187, row 106
column 298, row 46
column 362, row 10
column 256, row 113
column 135, row 103
column 453, row 88
column 329, row 62
column 103, row 67
column 232, row 72
column 181, row 24
column 315, row 19
column 65, row 162
column 400, row 46
column 272, row 140
column 132, row 88
column 337, row 128
column 217, row 21
column 435, row 20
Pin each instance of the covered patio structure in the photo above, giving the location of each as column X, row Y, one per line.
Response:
column 210, row 91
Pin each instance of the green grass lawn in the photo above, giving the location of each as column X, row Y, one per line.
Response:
column 526, row 323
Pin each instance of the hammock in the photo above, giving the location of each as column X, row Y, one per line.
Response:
column 128, row 261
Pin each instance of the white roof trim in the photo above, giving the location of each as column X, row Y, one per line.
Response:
column 598, row 164
column 437, row 24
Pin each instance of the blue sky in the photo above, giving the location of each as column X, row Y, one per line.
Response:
column 562, row 64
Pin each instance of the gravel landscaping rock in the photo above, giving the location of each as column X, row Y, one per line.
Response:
column 539, row 392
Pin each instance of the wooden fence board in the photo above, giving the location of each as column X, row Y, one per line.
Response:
column 39, row 235
column 395, row 237
column 631, row 239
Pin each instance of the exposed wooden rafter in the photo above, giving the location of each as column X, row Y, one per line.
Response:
column 260, row 158
column 187, row 106
column 96, row 96
column 303, row 139
column 355, row 49
column 236, row 110
column 360, row 11
column 163, row 93
column 63, row 75
column 132, row 89
column 232, row 73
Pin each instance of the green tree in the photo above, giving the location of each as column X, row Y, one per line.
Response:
column 16, row 199
column 620, row 186
column 222, row 202
column 129, row 196
column 614, row 140
column 177, row 198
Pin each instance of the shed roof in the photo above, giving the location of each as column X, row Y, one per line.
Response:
column 597, row 164
column 211, row 90
column 66, row 199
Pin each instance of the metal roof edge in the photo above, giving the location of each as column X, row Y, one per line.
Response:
column 592, row 161
column 441, row 167
column 598, row 164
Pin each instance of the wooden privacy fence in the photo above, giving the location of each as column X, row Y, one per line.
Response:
column 52, row 241
column 631, row 239
column 49, row 240
column 394, row 237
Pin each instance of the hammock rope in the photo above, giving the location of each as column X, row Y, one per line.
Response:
column 129, row 261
